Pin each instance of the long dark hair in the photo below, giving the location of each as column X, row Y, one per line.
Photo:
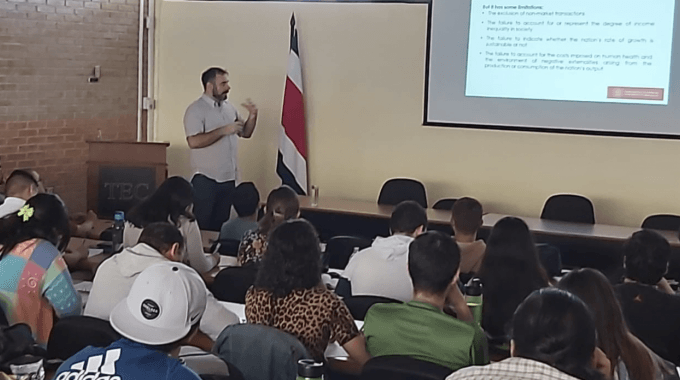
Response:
column 615, row 340
column 168, row 203
column 510, row 271
column 293, row 259
column 282, row 205
column 556, row 328
column 43, row 217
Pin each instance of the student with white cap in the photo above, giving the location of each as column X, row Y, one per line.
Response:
column 161, row 313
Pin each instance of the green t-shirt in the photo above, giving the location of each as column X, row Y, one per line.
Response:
column 424, row 332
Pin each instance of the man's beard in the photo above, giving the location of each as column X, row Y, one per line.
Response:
column 218, row 96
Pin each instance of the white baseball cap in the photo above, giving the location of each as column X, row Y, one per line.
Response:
column 164, row 302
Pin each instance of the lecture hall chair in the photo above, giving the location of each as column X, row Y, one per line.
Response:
column 662, row 222
column 358, row 305
column 569, row 208
column 71, row 334
column 339, row 249
column 397, row 190
column 398, row 367
column 444, row 204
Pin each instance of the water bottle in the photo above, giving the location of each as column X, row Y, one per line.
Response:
column 473, row 297
column 117, row 234
column 315, row 196
column 309, row 370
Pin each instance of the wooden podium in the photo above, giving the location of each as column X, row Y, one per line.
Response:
column 122, row 173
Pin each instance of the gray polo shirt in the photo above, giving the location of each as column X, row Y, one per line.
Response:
column 219, row 160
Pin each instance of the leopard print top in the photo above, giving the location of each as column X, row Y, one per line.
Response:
column 252, row 248
column 315, row 316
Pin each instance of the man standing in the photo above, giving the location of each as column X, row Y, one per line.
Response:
column 213, row 126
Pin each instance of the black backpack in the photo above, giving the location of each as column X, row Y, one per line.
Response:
column 17, row 345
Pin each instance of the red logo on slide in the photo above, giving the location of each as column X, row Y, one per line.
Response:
column 638, row 93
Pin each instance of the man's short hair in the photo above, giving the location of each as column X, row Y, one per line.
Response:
column 161, row 236
column 433, row 261
column 19, row 181
column 407, row 216
column 246, row 199
column 210, row 74
column 646, row 254
column 467, row 215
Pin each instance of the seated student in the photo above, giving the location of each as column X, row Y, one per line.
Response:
column 161, row 313
column 20, row 187
column 158, row 243
column 288, row 294
column 282, row 205
column 246, row 204
column 510, row 271
column 171, row 202
column 382, row 268
column 420, row 328
column 629, row 357
column 36, row 286
column 649, row 304
column 553, row 337
column 466, row 219
column 23, row 184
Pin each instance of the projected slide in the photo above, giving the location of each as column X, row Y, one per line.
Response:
column 576, row 50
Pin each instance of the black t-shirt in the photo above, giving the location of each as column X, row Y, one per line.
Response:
column 654, row 317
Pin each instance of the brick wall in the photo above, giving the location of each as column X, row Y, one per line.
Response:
column 48, row 49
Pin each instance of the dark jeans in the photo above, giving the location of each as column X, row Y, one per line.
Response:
column 212, row 201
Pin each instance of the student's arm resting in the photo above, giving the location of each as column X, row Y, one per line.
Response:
column 197, row 258
column 346, row 333
column 202, row 341
column 356, row 349
column 59, row 291
column 457, row 300
column 216, row 317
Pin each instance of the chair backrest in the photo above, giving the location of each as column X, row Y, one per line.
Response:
column 228, row 247
column 397, row 190
column 71, row 334
column 260, row 352
column 231, row 284
column 340, row 248
column 445, row 204
column 359, row 305
column 663, row 222
column 397, row 367
column 569, row 208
